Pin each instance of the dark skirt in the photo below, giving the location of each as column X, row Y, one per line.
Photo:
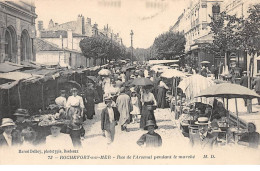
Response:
column 147, row 115
column 90, row 108
column 161, row 97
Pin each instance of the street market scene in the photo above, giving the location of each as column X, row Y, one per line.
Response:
column 78, row 86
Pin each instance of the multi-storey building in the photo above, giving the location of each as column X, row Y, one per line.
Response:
column 194, row 24
column 17, row 31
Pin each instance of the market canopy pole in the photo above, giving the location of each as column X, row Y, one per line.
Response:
column 237, row 114
column 19, row 96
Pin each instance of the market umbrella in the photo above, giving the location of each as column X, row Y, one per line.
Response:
column 170, row 73
column 205, row 62
column 228, row 91
column 104, row 72
column 142, row 82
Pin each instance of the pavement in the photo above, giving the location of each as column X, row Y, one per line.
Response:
column 167, row 128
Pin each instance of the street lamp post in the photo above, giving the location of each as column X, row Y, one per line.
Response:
column 131, row 34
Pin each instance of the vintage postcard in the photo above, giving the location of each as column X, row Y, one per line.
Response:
column 130, row 82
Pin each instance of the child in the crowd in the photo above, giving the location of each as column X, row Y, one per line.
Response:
column 251, row 138
column 150, row 139
column 135, row 102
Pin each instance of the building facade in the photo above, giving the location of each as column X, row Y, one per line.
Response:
column 194, row 24
column 48, row 53
column 68, row 35
column 17, row 31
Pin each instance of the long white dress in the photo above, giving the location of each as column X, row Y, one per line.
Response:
column 136, row 109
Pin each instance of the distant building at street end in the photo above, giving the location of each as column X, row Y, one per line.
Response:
column 17, row 26
column 84, row 27
column 68, row 35
column 48, row 53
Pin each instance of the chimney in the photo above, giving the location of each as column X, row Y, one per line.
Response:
column 70, row 39
column 89, row 21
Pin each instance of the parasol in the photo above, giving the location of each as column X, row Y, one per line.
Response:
column 104, row 72
column 228, row 91
column 142, row 82
column 170, row 73
column 205, row 62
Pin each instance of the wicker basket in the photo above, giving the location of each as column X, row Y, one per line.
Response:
column 151, row 107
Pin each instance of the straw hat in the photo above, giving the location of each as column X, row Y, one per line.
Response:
column 7, row 122
column 132, row 76
column 62, row 91
column 74, row 89
column 21, row 112
column 149, row 123
column 132, row 89
column 122, row 89
column 202, row 121
column 108, row 98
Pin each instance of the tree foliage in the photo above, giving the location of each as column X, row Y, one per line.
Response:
column 102, row 47
column 168, row 45
column 225, row 30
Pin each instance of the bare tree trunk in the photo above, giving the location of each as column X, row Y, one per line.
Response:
column 250, row 76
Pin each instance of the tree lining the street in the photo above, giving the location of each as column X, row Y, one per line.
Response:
column 168, row 45
column 225, row 31
column 250, row 35
column 102, row 47
column 231, row 33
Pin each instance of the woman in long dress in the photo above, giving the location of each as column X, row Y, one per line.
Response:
column 147, row 98
column 91, row 96
column 161, row 95
column 75, row 106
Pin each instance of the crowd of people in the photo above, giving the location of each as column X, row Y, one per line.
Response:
column 125, row 102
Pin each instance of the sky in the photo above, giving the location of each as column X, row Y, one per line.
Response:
column 147, row 18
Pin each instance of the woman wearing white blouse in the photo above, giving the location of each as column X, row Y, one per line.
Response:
column 147, row 98
column 74, row 105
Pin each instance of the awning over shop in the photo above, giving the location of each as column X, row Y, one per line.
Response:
column 152, row 62
column 7, row 67
column 15, row 76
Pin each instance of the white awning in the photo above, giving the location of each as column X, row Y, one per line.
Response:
column 152, row 62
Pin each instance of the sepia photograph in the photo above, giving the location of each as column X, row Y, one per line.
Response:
column 130, row 82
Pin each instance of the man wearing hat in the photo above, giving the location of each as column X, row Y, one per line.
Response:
column 21, row 123
column 123, row 104
column 244, row 82
column 202, row 138
column 109, row 118
column 256, row 84
column 150, row 139
column 6, row 138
